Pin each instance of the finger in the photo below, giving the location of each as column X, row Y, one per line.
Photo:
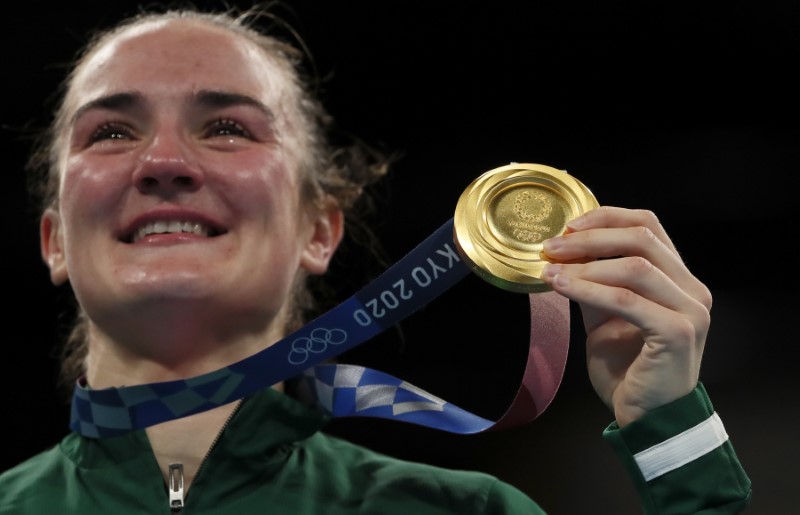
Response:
column 659, row 324
column 638, row 241
column 609, row 217
column 633, row 273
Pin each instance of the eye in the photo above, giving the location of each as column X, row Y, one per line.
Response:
column 111, row 131
column 226, row 127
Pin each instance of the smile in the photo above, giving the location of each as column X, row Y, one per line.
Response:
column 173, row 227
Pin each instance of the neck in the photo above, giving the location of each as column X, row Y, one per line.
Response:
column 164, row 352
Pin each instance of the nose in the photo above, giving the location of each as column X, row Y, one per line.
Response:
column 166, row 167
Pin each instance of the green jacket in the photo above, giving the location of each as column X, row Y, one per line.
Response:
column 273, row 458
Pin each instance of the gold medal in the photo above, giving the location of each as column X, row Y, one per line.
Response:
column 503, row 217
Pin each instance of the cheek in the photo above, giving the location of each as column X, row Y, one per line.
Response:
column 91, row 185
column 89, row 190
column 270, row 188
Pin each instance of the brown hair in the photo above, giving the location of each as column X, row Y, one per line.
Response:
column 334, row 165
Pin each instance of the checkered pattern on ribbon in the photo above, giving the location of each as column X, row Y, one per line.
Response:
column 109, row 412
column 355, row 391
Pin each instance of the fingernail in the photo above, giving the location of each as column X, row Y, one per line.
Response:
column 552, row 244
column 576, row 223
column 561, row 280
column 550, row 270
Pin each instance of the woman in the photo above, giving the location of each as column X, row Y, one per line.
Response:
column 192, row 193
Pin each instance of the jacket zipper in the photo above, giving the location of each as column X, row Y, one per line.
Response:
column 177, row 497
column 176, row 487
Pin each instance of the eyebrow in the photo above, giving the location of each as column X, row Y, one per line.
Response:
column 221, row 99
column 129, row 100
column 125, row 101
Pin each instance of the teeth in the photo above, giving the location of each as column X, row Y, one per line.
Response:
column 170, row 227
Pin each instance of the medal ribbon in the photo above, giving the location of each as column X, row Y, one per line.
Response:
column 346, row 390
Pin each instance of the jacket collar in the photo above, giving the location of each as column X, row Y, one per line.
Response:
column 266, row 422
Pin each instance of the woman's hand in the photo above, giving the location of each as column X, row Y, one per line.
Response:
column 646, row 315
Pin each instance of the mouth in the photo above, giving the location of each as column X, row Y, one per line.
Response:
column 157, row 227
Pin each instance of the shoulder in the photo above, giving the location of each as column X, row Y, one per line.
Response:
column 39, row 474
column 416, row 486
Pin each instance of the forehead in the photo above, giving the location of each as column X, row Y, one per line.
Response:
column 178, row 57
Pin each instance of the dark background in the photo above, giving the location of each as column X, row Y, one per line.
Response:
column 686, row 108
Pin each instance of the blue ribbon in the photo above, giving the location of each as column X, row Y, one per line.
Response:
column 342, row 390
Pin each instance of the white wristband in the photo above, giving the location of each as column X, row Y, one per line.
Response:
column 681, row 448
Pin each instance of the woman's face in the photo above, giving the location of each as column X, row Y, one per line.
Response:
column 179, row 185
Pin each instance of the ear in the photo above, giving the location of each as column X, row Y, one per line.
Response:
column 51, row 240
column 326, row 235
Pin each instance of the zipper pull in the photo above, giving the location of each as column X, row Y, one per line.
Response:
column 176, row 486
